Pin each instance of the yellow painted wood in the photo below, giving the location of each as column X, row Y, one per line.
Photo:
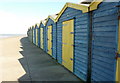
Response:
column 33, row 37
column 119, row 38
column 118, row 71
column 41, row 37
column 36, row 37
column 67, row 44
column 50, row 40
column 94, row 4
column 118, row 60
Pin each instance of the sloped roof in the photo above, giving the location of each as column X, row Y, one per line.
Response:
column 43, row 21
column 37, row 25
column 53, row 17
column 82, row 7
column 33, row 26
column 94, row 4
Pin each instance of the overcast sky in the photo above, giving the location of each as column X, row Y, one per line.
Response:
column 16, row 16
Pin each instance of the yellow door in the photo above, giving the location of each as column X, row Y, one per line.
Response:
column 36, row 37
column 50, row 40
column 67, row 44
column 41, row 33
column 33, row 37
column 118, row 59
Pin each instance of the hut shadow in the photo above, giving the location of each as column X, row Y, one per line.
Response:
column 47, row 66
column 26, row 78
column 29, row 51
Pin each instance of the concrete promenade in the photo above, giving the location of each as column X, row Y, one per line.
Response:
column 20, row 60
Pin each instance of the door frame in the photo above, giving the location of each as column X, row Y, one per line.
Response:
column 73, row 39
column 51, row 39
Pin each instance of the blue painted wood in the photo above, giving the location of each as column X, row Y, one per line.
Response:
column 29, row 34
column 104, row 44
column 34, row 36
column 81, row 26
column 54, row 43
column 38, row 36
column 59, row 42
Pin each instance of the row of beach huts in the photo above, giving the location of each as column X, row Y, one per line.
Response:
column 84, row 38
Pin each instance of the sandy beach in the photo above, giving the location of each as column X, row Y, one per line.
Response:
column 20, row 60
column 10, row 69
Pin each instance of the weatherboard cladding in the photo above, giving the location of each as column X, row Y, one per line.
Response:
column 34, row 36
column 104, row 42
column 30, row 35
column 81, row 26
column 41, row 26
column 36, row 29
column 38, row 36
column 50, row 22
column 44, row 35
column 54, row 44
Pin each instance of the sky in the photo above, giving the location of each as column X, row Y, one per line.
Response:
column 16, row 16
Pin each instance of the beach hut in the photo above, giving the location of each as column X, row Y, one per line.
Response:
column 32, row 28
column 88, row 40
column 51, row 35
column 42, row 26
column 37, row 35
column 105, row 41
column 30, row 34
column 73, row 38
column 34, row 35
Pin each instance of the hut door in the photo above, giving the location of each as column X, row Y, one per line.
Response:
column 36, row 37
column 118, row 57
column 33, row 35
column 41, row 37
column 67, row 44
column 50, row 40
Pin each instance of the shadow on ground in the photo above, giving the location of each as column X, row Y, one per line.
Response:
column 40, row 67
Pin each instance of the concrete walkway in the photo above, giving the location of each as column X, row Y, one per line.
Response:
column 23, row 61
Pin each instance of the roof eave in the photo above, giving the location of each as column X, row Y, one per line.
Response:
column 83, row 8
column 94, row 4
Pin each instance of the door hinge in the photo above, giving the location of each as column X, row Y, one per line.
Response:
column 72, row 45
column 117, row 55
column 64, row 24
column 71, row 32
column 64, row 61
column 64, row 43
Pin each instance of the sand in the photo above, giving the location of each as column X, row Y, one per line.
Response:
column 10, row 67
